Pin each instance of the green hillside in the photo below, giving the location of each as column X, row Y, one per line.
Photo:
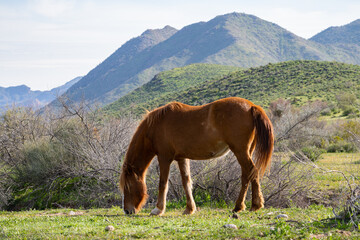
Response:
column 300, row 81
column 170, row 82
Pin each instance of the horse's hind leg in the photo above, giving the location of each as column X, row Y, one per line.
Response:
column 164, row 164
column 184, row 166
column 247, row 169
column 257, row 197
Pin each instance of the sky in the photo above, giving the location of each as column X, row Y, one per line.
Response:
column 45, row 43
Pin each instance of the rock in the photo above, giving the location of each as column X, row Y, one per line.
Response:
column 272, row 228
column 109, row 228
column 72, row 213
column 317, row 236
column 232, row 226
column 235, row 216
column 344, row 233
column 281, row 216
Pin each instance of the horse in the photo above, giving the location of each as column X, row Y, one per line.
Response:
column 181, row 132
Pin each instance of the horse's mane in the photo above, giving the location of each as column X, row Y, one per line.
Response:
column 149, row 120
column 153, row 117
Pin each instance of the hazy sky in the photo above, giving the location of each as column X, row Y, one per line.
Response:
column 45, row 43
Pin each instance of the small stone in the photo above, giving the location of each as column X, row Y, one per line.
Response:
column 235, row 216
column 109, row 228
column 344, row 233
column 232, row 226
column 272, row 228
column 317, row 236
column 270, row 213
column 72, row 213
column 281, row 216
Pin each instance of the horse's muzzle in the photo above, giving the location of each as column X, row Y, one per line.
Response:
column 129, row 211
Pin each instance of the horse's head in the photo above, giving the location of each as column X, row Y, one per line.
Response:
column 134, row 190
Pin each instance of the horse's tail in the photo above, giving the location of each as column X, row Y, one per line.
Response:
column 264, row 138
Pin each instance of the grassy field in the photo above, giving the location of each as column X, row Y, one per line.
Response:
column 347, row 163
column 206, row 223
column 314, row 222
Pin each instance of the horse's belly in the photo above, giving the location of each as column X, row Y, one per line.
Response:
column 205, row 151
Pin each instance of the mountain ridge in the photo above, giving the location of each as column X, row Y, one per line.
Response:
column 346, row 34
column 235, row 39
column 22, row 95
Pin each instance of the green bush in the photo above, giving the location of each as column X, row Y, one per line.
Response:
column 341, row 147
column 43, row 176
column 349, row 110
column 313, row 153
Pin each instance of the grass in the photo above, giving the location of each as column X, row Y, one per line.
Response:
column 206, row 223
column 314, row 222
column 347, row 163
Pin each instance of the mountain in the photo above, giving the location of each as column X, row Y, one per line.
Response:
column 23, row 96
column 347, row 34
column 235, row 39
column 299, row 81
column 169, row 82
column 125, row 68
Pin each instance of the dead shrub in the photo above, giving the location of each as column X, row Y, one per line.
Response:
column 68, row 158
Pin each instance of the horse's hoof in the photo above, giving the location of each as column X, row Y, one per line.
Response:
column 255, row 208
column 239, row 209
column 188, row 212
column 156, row 212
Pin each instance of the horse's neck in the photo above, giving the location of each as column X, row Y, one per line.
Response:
column 140, row 154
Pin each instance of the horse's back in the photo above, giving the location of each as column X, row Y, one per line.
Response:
column 202, row 132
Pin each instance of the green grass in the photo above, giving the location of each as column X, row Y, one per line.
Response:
column 347, row 163
column 206, row 223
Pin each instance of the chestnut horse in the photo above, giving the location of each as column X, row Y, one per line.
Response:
column 181, row 132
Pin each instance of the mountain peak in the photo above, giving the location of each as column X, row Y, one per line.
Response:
column 159, row 35
column 164, row 31
column 236, row 16
column 235, row 39
column 21, row 89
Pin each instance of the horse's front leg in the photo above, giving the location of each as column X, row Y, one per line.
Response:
column 184, row 166
column 164, row 165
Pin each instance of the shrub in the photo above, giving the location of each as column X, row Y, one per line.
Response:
column 341, row 147
column 312, row 153
column 69, row 159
